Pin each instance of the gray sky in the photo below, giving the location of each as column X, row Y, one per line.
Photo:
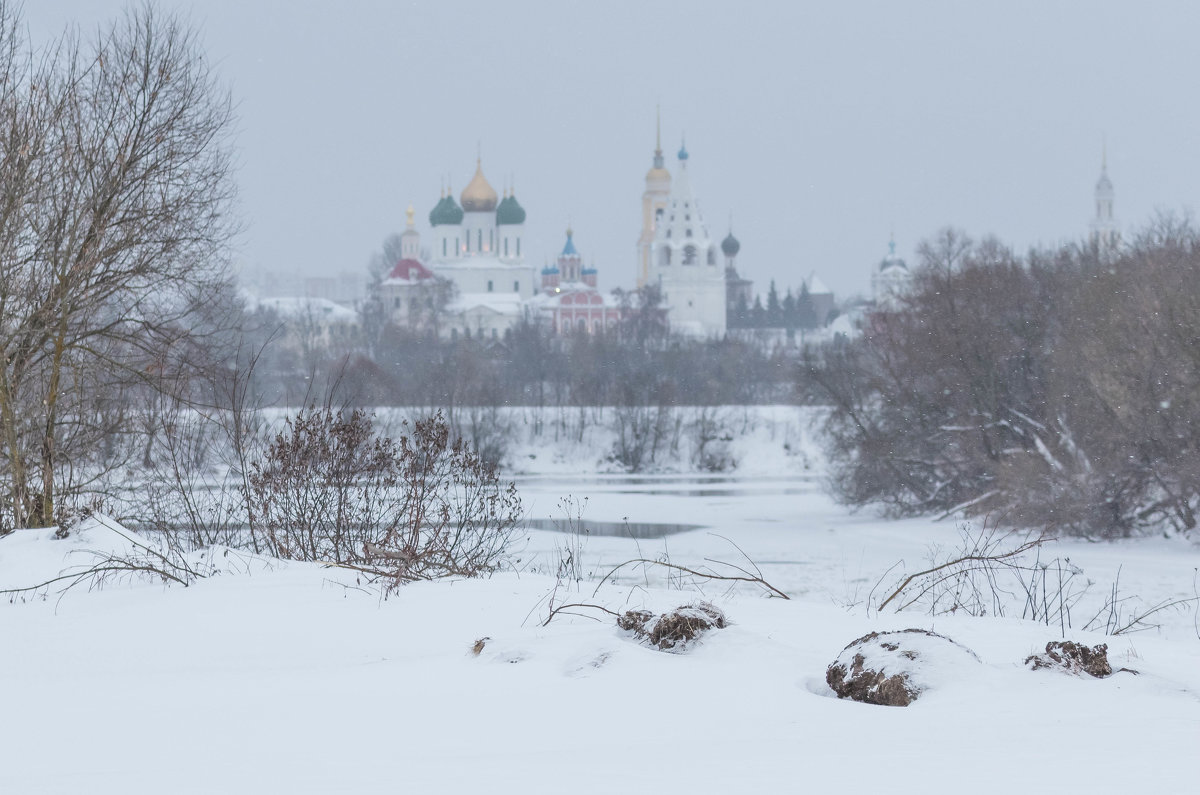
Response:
column 820, row 127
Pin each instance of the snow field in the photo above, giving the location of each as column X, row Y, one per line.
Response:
column 287, row 677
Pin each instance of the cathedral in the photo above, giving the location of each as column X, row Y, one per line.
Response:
column 477, row 247
column 476, row 271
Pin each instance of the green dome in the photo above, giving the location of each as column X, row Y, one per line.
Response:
column 446, row 211
column 510, row 212
column 730, row 245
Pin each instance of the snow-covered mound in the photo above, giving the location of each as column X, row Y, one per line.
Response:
column 894, row 668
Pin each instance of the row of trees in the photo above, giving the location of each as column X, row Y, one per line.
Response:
column 1060, row 389
column 531, row 366
column 800, row 311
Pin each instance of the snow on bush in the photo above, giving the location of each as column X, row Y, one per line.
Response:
column 895, row 668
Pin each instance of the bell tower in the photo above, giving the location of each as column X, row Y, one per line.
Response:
column 654, row 203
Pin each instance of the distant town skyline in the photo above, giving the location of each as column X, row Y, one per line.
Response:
column 820, row 130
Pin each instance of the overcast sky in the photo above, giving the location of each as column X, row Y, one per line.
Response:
column 819, row 127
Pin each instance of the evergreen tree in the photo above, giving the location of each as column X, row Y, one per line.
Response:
column 789, row 310
column 806, row 313
column 774, row 312
column 758, row 315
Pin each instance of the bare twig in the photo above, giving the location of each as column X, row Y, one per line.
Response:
column 704, row 575
column 582, row 605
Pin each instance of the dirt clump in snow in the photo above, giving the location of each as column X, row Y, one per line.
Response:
column 892, row 668
column 1073, row 658
column 674, row 630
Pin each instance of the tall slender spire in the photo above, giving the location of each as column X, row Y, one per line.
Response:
column 658, row 155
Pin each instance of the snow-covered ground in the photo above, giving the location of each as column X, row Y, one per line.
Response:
column 284, row 677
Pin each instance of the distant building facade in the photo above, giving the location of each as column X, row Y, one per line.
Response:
column 684, row 261
column 569, row 300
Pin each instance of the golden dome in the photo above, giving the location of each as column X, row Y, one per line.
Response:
column 479, row 196
column 658, row 173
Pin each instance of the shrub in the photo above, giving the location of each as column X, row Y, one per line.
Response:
column 330, row 488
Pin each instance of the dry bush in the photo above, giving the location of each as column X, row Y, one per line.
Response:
column 330, row 488
column 983, row 576
column 674, row 630
column 1073, row 658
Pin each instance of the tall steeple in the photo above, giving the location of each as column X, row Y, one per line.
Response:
column 1104, row 232
column 658, row 155
column 654, row 202
column 410, row 240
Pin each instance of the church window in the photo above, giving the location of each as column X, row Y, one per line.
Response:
column 506, row 246
column 666, row 256
column 658, row 214
column 444, row 246
column 489, row 285
column 479, row 240
column 453, row 335
column 397, row 303
column 689, row 255
column 668, row 233
column 518, row 246
column 687, row 217
column 689, row 233
column 516, row 287
column 712, row 256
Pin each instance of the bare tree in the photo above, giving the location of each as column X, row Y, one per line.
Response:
column 116, row 211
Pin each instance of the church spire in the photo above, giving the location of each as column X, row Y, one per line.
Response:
column 658, row 155
column 1104, row 225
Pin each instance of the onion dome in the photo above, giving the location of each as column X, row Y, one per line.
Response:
column 510, row 212
column 730, row 245
column 683, row 153
column 446, row 211
column 569, row 249
column 479, row 196
column 892, row 260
